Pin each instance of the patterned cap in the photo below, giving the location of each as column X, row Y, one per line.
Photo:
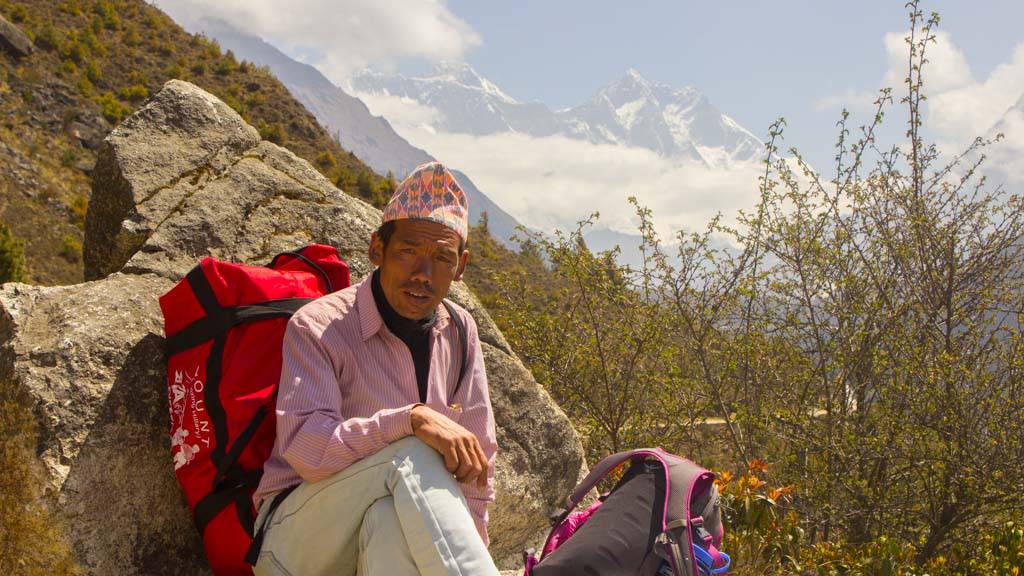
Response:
column 431, row 193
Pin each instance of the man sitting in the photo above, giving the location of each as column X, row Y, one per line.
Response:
column 389, row 461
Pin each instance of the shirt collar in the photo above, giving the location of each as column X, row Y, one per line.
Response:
column 370, row 321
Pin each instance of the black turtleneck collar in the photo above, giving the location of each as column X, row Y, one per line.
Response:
column 399, row 325
column 414, row 333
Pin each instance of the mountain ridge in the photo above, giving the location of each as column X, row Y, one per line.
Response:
column 631, row 111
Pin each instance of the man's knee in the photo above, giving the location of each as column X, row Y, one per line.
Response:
column 416, row 452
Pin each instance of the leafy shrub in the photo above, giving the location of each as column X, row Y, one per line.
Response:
column 84, row 86
column 12, row 257
column 272, row 132
column 860, row 333
column 19, row 13
column 79, row 207
column 68, row 68
column 70, row 248
column 34, row 543
column 70, row 7
column 46, row 37
column 112, row 108
column 326, row 160
column 107, row 13
column 131, row 36
column 93, row 72
column 68, row 157
column 134, row 93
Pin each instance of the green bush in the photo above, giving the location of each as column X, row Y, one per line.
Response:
column 19, row 13
column 33, row 542
column 46, row 37
column 107, row 13
column 134, row 93
column 93, row 72
column 858, row 330
column 131, row 36
column 84, row 86
column 70, row 248
column 78, row 208
column 112, row 108
column 12, row 257
column 68, row 157
column 326, row 161
column 272, row 132
column 69, row 7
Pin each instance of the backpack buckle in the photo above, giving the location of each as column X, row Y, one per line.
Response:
column 699, row 532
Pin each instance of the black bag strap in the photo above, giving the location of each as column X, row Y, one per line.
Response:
column 231, row 457
column 210, row 326
column 460, row 328
column 313, row 265
column 232, row 488
column 253, row 553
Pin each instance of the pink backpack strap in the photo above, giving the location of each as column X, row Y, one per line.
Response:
column 602, row 468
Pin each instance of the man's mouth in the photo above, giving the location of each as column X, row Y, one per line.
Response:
column 418, row 295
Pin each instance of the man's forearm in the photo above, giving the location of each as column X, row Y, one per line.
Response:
column 317, row 445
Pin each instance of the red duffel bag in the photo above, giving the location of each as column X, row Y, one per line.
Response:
column 224, row 325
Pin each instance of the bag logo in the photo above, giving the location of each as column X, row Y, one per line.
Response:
column 190, row 426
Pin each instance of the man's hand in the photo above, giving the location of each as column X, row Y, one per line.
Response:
column 459, row 447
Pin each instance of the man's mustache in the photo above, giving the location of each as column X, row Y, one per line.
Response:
column 418, row 288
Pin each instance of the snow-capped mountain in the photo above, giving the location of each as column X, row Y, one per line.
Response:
column 675, row 123
column 672, row 122
column 469, row 103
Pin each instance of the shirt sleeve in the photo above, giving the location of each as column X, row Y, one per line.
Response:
column 312, row 435
column 478, row 417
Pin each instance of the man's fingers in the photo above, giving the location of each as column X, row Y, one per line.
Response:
column 481, row 480
column 451, row 458
column 466, row 463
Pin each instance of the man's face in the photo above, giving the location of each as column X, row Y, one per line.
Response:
column 418, row 265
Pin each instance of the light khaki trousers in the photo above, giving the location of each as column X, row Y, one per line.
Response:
column 398, row 512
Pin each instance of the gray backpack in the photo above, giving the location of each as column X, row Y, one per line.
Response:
column 662, row 518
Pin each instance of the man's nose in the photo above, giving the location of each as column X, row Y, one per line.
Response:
column 423, row 269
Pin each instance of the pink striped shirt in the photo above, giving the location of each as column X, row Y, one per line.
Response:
column 348, row 386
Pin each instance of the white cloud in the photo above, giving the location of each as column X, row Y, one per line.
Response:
column 403, row 113
column 947, row 67
column 959, row 107
column 340, row 37
column 1007, row 157
column 553, row 182
column 970, row 110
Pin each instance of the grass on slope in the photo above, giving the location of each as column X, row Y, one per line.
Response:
column 95, row 62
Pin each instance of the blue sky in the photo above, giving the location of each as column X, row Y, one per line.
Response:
column 756, row 60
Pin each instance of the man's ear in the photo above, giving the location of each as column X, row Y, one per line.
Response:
column 376, row 251
column 463, row 260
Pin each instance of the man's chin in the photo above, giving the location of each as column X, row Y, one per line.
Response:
column 417, row 310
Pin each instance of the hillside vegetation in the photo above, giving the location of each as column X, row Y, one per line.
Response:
column 95, row 62
column 848, row 355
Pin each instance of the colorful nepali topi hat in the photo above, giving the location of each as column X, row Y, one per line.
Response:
column 430, row 192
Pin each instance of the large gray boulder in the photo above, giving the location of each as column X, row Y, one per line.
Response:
column 182, row 178
column 13, row 40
